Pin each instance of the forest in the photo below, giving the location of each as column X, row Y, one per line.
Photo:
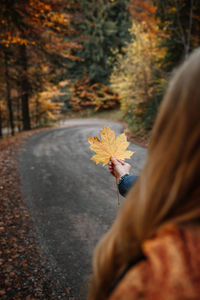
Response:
column 59, row 56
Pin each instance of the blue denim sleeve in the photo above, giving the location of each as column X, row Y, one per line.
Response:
column 126, row 183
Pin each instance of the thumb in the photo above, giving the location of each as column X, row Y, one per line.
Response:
column 114, row 160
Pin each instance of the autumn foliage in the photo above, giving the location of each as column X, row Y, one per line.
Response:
column 112, row 53
column 163, row 34
column 97, row 96
column 134, row 76
column 33, row 53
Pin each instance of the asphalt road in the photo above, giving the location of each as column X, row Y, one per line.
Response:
column 72, row 200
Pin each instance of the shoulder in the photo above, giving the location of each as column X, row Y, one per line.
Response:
column 133, row 284
column 171, row 270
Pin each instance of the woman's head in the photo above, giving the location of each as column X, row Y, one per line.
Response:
column 168, row 189
column 174, row 153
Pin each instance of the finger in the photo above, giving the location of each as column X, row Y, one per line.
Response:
column 112, row 173
column 114, row 161
column 121, row 162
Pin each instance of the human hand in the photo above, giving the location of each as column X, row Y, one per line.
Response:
column 118, row 168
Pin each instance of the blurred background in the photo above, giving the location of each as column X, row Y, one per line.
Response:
column 90, row 58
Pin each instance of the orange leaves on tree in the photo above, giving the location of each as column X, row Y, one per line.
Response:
column 97, row 96
column 45, row 106
column 143, row 12
column 13, row 40
column 41, row 6
column 40, row 17
column 109, row 146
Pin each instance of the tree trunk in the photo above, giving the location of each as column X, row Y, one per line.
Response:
column 1, row 132
column 37, row 112
column 9, row 102
column 18, row 114
column 25, row 89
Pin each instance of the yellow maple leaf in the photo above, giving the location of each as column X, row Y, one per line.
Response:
column 109, row 146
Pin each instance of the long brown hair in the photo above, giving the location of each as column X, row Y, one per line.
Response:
column 167, row 190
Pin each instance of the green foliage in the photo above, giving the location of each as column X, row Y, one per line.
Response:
column 104, row 27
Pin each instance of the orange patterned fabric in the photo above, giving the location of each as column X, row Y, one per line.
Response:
column 171, row 270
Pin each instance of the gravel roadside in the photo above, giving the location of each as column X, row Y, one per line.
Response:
column 25, row 273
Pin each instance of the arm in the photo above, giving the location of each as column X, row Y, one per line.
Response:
column 120, row 170
column 125, row 184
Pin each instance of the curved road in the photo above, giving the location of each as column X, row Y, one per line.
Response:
column 72, row 200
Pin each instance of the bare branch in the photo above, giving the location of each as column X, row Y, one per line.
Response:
column 190, row 27
column 180, row 25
